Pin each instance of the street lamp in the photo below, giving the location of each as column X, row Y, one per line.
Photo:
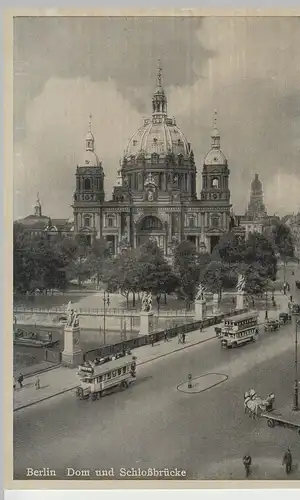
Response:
column 296, row 384
column 266, row 313
column 106, row 301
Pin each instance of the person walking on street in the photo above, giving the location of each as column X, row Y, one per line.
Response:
column 152, row 340
column 201, row 327
column 166, row 336
column 20, row 380
column 183, row 338
column 37, row 383
column 287, row 461
column 247, row 461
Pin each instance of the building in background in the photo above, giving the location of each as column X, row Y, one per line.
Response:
column 37, row 223
column 256, row 219
column 293, row 222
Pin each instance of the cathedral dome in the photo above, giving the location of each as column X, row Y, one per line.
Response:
column 91, row 159
column 159, row 134
column 215, row 157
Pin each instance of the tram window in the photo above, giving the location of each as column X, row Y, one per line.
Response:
column 119, row 371
column 124, row 369
column 108, row 376
column 114, row 373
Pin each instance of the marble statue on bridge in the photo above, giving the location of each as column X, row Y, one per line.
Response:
column 241, row 284
column 147, row 301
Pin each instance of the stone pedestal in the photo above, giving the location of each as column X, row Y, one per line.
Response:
column 72, row 354
column 240, row 300
column 200, row 309
column 146, row 322
column 216, row 303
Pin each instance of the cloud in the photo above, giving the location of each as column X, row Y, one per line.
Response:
column 253, row 81
column 56, row 123
column 246, row 68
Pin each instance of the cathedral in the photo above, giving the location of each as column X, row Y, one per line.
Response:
column 155, row 193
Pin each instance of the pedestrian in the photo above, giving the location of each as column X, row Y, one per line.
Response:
column 152, row 340
column 37, row 383
column 20, row 380
column 201, row 327
column 287, row 461
column 166, row 336
column 183, row 338
column 247, row 461
column 266, row 315
column 179, row 338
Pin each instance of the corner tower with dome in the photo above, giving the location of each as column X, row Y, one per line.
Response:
column 155, row 192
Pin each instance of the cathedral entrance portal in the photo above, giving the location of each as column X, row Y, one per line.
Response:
column 150, row 228
column 214, row 240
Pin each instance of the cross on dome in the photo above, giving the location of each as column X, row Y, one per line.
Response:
column 215, row 118
column 159, row 74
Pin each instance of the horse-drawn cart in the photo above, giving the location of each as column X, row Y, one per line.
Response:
column 277, row 419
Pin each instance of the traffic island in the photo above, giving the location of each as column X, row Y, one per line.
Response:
column 202, row 383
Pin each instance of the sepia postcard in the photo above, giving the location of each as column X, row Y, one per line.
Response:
column 154, row 242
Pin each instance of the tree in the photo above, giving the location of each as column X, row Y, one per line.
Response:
column 282, row 239
column 259, row 250
column 188, row 265
column 155, row 275
column 96, row 259
column 122, row 273
column 38, row 262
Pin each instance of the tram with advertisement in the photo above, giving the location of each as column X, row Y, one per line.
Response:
column 239, row 330
column 118, row 373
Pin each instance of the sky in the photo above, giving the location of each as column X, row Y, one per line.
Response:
column 66, row 68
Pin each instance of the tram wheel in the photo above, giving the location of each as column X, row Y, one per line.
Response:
column 234, row 345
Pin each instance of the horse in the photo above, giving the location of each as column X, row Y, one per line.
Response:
column 254, row 405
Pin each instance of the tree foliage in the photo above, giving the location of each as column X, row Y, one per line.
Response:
column 282, row 240
column 155, row 274
column 39, row 263
column 188, row 266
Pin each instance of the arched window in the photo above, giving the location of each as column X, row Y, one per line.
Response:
column 87, row 184
column 151, row 222
column 87, row 220
column 215, row 183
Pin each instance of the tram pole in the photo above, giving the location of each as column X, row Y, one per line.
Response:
column 106, row 301
column 296, row 383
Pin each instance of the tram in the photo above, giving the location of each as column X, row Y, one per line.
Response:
column 118, row 373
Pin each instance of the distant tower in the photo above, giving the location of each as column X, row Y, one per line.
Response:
column 38, row 207
column 256, row 207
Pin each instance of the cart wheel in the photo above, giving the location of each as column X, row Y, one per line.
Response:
column 271, row 423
